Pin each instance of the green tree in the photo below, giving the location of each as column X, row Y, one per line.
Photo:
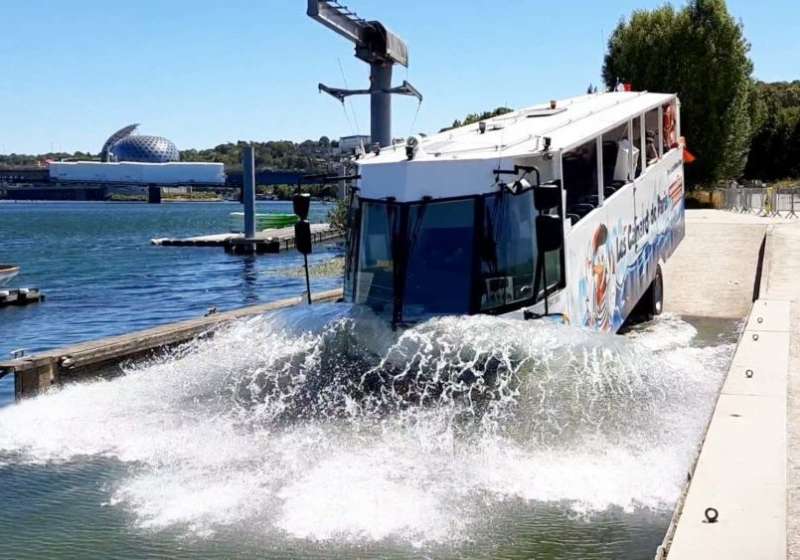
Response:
column 700, row 53
column 338, row 214
column 775, row 150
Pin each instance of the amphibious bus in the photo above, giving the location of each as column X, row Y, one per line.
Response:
column 566, row 209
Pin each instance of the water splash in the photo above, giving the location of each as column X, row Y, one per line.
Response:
column 324, row 424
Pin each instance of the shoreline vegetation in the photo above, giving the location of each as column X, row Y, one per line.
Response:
column 738, row 128
column 189, row 197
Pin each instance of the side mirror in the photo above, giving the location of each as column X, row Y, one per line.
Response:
column 547, row 196
column 302, row 237
column 549, row 233
column 301, row 203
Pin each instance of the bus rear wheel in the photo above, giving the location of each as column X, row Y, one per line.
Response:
column 652, row 302
column 656, row 293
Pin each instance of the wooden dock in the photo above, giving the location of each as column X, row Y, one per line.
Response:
column 266, row 241
column 104, row 357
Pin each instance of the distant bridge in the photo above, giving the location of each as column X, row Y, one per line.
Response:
column 35, row 183
column 26, row 174
column 267, row 178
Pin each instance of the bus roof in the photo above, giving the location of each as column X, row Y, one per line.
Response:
column 460, row 157
column 572, row 122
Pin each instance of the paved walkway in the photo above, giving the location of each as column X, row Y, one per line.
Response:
column 782, row 281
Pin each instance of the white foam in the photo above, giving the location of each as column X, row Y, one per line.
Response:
column 664, row 332
column 264, row 427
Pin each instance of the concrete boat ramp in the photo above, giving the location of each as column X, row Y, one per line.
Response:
column 742, row 501
column 713, row 271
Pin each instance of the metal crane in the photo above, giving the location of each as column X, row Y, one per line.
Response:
column 378, row 47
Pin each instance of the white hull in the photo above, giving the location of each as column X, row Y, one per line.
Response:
column 7, row 273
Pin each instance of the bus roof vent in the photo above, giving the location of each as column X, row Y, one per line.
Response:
column 544, row 112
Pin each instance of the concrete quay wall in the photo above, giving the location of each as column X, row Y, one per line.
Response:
column 743, row 499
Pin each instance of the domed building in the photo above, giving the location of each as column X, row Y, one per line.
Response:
column 146, row 149
column 123, row 145
column 137, row 159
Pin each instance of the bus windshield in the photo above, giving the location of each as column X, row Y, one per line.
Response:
column 441, row 239
column 431, row 243
column 454, row 257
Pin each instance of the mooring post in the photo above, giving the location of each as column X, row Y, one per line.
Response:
column 249, row 191
column 154, row 194
column 37, row 380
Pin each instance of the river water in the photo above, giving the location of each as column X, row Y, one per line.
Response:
column 319, row 433
column 101, row 275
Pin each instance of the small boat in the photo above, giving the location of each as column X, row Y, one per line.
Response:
column 7, row 272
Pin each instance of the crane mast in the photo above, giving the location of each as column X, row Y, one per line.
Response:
column 378, row 47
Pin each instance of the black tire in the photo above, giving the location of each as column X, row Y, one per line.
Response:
column 656, row 294
column 651, row 303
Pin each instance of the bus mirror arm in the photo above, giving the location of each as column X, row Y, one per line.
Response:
column 524, row 169
column 522, row 184
column 529, row 169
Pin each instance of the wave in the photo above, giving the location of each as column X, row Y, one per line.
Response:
column 324, row 424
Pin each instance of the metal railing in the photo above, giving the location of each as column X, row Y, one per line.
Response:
column 761, row 201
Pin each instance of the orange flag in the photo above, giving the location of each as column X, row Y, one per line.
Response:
column 688, row 157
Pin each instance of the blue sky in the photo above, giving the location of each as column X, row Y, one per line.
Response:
column 203, row 72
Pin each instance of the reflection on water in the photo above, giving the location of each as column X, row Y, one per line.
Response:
column 249, row 279
column 318, row 433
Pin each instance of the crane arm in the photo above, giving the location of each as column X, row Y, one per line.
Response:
column 338, row 18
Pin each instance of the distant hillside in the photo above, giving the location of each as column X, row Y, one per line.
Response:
column 308, row 156
column 28, row 160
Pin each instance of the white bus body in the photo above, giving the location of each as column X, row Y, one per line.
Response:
column 453, row 223
column 612, row 255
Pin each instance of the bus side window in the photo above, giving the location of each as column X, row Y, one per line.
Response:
column 668, row 126
column 652, row 133
column 618, row 153
column 639, row 145
column 579, row 174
